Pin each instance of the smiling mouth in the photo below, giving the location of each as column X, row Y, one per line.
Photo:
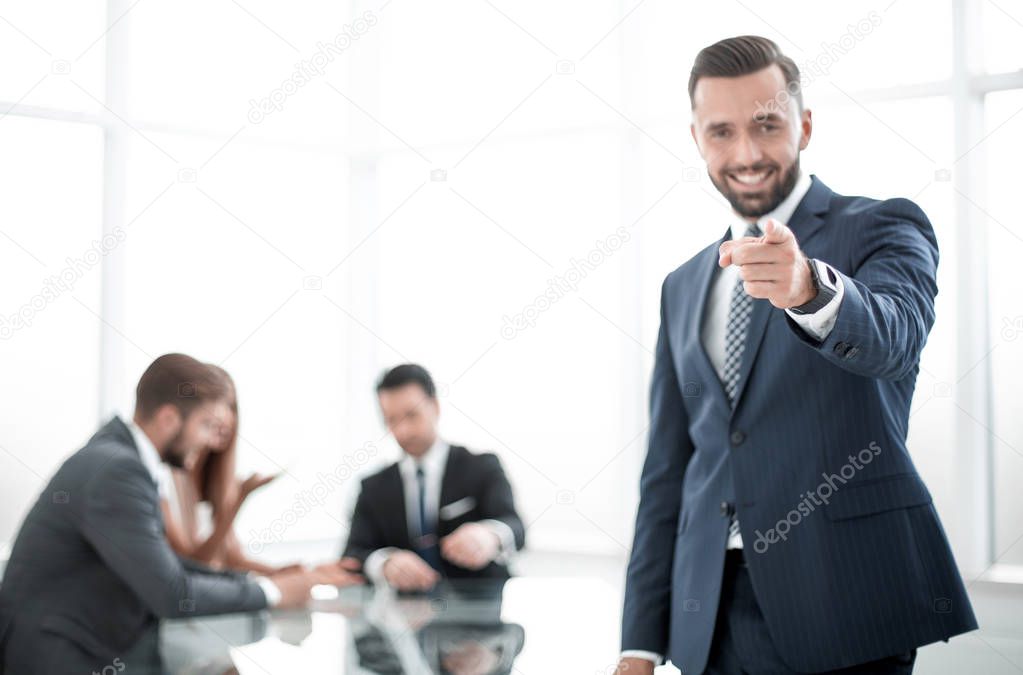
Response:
column 751, row 180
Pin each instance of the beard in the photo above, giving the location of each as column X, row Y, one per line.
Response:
column 756, row 204
column 177, row 453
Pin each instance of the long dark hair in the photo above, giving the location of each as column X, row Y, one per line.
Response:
column 216, row 468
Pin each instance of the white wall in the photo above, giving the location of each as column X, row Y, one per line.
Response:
column 307, row 248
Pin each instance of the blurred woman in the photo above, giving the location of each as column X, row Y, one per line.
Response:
column 203, row 499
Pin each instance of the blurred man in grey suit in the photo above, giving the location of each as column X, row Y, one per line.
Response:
column 91, row 570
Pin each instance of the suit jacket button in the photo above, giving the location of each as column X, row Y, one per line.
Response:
column 841, row 348
column 737, row 437
column 726, row 509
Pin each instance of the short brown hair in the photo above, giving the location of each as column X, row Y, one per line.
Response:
column 179, row 380
column 742, row 55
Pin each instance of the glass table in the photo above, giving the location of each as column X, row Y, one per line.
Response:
column 527, row 626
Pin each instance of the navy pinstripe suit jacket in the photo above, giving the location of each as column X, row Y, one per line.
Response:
column 847, row 556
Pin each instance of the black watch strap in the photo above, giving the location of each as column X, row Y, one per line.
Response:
column 825, row 283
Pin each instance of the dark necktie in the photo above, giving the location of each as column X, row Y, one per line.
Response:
column 427, row 544
column 739, row 310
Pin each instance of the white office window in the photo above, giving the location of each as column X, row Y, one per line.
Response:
column 52, row 248
column 1005, row 245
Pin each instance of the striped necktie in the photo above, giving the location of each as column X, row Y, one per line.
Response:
column 739, row 310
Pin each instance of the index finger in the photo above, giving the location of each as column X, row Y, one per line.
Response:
column 726, row 248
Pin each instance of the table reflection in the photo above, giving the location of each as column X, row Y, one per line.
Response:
column 478, row 627
column 453, row 631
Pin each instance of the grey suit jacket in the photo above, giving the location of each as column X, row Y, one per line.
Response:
column 91, row 570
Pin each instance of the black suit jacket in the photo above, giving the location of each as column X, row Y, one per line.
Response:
column 380, row 517
column 91, row 569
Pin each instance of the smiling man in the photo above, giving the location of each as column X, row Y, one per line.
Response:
column 782, row 526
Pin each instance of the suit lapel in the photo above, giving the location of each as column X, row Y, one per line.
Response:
column 805, row 222
column 707, row 271
column 398, row 512
column 447, row 485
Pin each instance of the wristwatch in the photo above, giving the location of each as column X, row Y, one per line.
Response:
column 824, row 281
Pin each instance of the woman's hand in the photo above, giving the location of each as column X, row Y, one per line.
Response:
column 254, row 482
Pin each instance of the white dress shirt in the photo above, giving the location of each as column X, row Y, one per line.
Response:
column 158, row 471
column 433, row 462
column 161, row 475
column 715, row 326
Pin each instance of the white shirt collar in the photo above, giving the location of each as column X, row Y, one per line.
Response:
column 147, row 453
column 783, row 212
column 432, row 461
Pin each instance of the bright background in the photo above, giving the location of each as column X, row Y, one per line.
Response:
column 428, row 184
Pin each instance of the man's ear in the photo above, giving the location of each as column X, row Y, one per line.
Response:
column 806, row 128
column 168, row 417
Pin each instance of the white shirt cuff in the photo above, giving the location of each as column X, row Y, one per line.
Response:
column 640, row 654
column 270, row 590
column 373, row 568
column 819, row 324
column 505, row 536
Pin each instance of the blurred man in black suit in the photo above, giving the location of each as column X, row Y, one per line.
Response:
column 440, row 511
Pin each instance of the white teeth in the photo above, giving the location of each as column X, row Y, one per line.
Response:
column 750, row 179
